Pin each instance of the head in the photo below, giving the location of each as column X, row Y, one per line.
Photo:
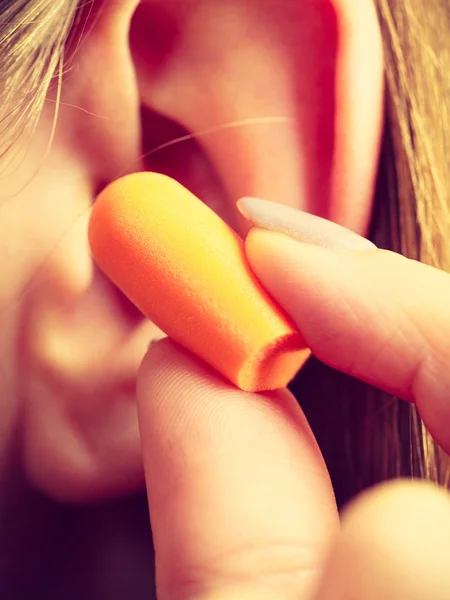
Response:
column 282, row 100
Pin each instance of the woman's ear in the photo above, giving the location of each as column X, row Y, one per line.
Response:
column 294, row 91
column 288, row 96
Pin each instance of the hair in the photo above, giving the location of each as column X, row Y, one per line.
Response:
column 33, row 35
column 366, row 436
column 415, row 170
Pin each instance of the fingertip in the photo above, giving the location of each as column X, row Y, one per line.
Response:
column 234, row 479
column 157, row 353
column 394, row 544
column 167, row 366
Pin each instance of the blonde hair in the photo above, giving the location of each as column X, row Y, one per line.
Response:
column 33, row 35
column 413, row 186
column 375, row 436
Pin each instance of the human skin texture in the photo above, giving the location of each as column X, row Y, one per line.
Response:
column 71, row 343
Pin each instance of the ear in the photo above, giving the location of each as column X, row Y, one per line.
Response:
column 300, row 84
column 288, row 96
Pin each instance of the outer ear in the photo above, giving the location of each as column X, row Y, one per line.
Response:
column 359, row 113
column 316, row 63
column 298, row 86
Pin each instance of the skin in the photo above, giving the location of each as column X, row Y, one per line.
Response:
column 280, row 530
column 72, row 347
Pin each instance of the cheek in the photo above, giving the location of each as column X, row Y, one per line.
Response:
column 74, row 343
column 42, row 199
column 43, row 196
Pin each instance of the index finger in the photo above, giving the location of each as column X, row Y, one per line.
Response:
column 372, row 314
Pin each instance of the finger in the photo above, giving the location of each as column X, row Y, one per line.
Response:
column 238, row 492
column 394, row 545
column 373, row 314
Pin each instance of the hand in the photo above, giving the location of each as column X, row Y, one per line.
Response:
column 240, row 499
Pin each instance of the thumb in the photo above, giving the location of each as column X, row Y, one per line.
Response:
column 370, row 313
column 240, row 500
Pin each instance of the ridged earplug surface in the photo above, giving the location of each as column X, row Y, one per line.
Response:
column 186, row 270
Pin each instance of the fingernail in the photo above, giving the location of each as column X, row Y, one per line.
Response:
column 301, row 226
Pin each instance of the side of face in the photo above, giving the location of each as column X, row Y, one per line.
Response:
column 281, row 92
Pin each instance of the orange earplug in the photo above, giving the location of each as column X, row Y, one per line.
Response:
column 186, row 270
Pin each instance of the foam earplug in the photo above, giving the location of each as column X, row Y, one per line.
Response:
column 186, row 270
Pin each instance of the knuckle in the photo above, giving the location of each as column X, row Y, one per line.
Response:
column 283, row 566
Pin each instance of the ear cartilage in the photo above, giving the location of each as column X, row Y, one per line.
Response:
column 186, row 270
